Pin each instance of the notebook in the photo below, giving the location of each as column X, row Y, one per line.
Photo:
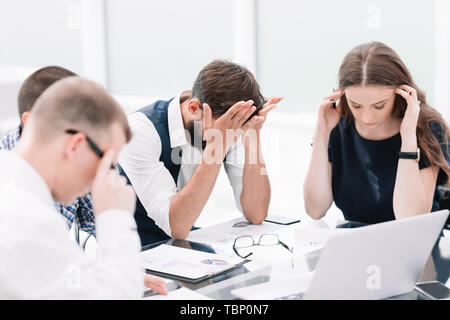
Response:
column 186, row 264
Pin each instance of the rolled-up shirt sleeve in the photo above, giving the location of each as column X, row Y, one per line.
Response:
column 234, row 167
column 152, row 182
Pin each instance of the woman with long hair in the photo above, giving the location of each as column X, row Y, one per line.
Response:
column 379, row 150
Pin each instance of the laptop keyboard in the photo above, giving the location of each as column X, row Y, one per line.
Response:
column 294, row 296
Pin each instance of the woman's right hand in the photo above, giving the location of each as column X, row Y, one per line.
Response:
column 317, row 191
column 328, row 117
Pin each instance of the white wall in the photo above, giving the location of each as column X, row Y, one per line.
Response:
column 144, row 49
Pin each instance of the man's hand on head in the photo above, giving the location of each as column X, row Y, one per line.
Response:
column 110, row 190
column 231, row 124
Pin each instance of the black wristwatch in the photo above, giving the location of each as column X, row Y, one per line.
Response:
column 410, row 155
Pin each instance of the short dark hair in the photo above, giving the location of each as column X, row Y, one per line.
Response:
column 37, row 83
column 222, row 83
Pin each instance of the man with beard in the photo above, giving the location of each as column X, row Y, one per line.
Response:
column 179, row 145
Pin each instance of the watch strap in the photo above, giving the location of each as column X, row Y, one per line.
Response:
column 410, row 155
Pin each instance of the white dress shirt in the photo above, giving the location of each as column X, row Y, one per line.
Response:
column 39, row 259
column 152, row 181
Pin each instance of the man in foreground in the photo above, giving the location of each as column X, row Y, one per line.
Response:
column 73, row 135
column 80, row 211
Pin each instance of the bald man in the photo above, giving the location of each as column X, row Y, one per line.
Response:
column 72, row 137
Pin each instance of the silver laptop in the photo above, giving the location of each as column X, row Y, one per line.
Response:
column 373, row 262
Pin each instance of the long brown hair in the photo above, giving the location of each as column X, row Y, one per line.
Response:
column 376, row 64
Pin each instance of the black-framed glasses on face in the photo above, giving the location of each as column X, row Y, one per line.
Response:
column 91, row 143
column 264, row 240
column 94, row 147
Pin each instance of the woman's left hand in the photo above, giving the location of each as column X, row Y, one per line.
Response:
column 409, row 123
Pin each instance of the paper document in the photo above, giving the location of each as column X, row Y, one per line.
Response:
column 274, row 288
column 227, row 231
column 307, row 240
column 180, row 294
column 186, row 264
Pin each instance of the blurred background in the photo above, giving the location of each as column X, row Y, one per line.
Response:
column 141, row 50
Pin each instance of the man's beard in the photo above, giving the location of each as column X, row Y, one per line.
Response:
column 196, row 135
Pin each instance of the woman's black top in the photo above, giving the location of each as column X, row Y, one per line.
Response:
column 364, row 173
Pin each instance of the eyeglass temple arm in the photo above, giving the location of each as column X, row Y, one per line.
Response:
column 285, row 245
column 91, row 143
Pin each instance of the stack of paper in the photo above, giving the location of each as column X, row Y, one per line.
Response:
column 186, row 264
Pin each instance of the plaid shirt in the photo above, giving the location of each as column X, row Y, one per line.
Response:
column 81, row 209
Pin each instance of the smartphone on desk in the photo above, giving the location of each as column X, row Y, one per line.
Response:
column 283, row 220
column 433, row 290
